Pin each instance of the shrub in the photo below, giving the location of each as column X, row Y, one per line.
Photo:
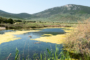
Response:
column 79, row 41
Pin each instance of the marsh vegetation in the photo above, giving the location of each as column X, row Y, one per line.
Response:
column 74, row 39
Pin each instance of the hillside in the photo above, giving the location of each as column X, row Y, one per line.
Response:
column 70, row 8
column 66, row 13
column 11, row 15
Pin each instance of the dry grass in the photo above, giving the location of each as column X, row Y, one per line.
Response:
column 79, row 41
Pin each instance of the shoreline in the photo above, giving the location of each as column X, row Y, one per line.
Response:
column 9, row 36
column 2, row 28
column 57, row 39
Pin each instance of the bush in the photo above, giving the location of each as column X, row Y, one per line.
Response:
column 79, row 41
column 10, row 21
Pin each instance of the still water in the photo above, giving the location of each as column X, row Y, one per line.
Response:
column 27, row 46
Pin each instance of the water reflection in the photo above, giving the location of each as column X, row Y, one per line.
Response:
column 4, row 31
column 26, row 46
column 52, row 30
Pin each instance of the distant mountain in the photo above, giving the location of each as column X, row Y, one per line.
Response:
column 11, row 15
column 70, row 8
column 66, row 13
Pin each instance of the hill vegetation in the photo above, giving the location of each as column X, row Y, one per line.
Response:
column 11, row 15
column 67, row 13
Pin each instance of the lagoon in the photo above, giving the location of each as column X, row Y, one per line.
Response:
column 30, row 46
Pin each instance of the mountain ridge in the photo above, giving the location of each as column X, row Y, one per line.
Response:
column 62, row 9
column 12, row 15
column 67, row 12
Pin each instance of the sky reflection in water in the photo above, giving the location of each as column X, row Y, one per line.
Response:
column 27, row 46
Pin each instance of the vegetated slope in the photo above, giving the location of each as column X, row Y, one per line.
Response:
column 66, row 13
column 70, row 8
column 11, row 15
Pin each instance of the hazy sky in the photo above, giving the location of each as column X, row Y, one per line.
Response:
column 34, row 6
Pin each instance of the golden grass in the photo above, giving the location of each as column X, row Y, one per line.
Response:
column 79, row 41
column 9, row 36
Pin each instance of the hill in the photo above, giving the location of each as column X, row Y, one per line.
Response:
column 11, row 15
column 70, row 8
column 66, row 13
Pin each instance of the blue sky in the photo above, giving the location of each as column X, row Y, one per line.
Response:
column 34, row 6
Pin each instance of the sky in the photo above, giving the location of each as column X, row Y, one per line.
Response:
column 35, row 6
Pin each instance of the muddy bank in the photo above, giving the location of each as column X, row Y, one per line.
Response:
column 56, row 26
column 2, row 28
column 30, row 26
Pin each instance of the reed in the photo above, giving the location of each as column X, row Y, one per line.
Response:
column 56, row 55
column 79, row 42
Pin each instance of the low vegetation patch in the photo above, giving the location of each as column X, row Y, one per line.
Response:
column 79, row 41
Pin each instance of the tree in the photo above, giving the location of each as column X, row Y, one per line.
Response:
column 10, row 21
